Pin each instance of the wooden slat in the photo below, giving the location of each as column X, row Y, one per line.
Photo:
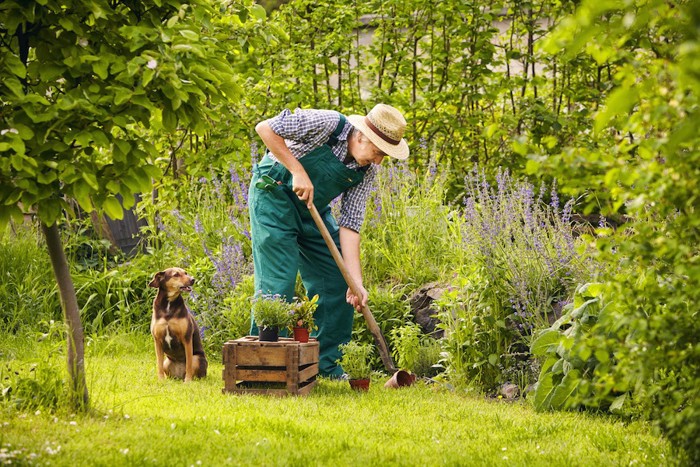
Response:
column 306, row 389
column 308, row 373
column 262, row 376
column 308, row 353
column 267, row 392
column 229, row 358
column 292, row 369
column 260, row 355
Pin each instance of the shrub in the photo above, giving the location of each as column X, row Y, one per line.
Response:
column 574, row 363
column 476, row 336
column 415, row 351
column 520, row 265
column 237, row 308
column 115, row 297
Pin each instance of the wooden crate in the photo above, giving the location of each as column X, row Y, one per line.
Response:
column 278, row 368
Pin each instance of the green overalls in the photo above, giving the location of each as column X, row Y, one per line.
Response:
column 286, row 240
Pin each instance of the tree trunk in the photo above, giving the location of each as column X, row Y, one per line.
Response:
column 69, row 303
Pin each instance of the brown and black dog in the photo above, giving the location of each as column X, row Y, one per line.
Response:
column 179, row 352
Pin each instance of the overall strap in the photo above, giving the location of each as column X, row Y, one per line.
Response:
column 333, row 138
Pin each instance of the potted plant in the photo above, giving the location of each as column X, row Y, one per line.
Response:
column 271, row 312
column 356, row 363
column 302, row 317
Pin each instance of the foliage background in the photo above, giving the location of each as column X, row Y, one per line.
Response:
column 595, row 100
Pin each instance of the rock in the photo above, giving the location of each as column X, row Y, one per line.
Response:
column 422, row 310
column 509, row 391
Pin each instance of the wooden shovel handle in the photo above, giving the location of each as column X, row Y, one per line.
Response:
column 371, row 322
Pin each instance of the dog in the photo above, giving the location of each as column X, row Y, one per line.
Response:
column 179, row 352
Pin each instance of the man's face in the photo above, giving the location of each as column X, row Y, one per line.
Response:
column 363, row 150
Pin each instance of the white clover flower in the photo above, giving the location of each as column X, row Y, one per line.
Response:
column 152, row 64
column 82, row 42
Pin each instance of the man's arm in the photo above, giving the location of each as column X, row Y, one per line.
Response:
column 301, row 183
column 350, row 247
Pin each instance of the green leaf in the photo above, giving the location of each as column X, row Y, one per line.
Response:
column 189, row 35
column 558, row 367
column 10, row 212
column 122, row 95
column 81, row 193
column 491, row 130
column 544, row 341
column 545, row 388
column 563, row 392
column 123, row 146
column 46, row 178
column 66, row 23
column 620, row 101
column 51, row 71
column 532, row 167
column 152, row 171
column 143, row 180
column 113, row 186
column 617, row 404
column 113, row 208
column 43, row 114
column 169, row 120
column 148, row 75
column 15, row 65
column 14, row 85
column 25, row 132
column 132, row 183
column 258, row 12
column 91, row 180
column 101, row 68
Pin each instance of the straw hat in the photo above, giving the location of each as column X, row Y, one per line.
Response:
column 384, row 126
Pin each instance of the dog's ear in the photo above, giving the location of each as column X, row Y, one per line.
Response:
column 155, row 283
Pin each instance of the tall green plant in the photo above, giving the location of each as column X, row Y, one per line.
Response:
column 649, row 158
column 520, row 264
column 407, row 239
column 28, row 290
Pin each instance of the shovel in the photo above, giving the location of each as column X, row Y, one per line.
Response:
column 371, row 322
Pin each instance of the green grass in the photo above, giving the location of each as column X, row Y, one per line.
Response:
column 139, row 420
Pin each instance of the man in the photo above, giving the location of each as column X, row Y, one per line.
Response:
column 312, row 157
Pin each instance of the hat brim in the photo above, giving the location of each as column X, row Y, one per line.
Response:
column 397, row 151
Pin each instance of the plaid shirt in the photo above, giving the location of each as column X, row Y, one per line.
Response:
column 305, row 130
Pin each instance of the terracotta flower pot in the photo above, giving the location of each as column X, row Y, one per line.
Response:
column 400, row 379
column 301, row 334
column 268, row 334
column 360, row 384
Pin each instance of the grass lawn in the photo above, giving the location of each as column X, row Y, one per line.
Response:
column 139, row 420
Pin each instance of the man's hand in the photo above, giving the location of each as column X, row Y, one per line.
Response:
column 302, row 186
column 357, row 302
